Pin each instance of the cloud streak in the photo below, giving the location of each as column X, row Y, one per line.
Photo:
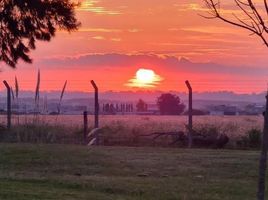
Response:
column 92, row 6
column 166, row 62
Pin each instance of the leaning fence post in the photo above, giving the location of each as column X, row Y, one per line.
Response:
column 190, row 115
column 8, row 104
column 263, row 156
column 85, row 126
column 96, row 109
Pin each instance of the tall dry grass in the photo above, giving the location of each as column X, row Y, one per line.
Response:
column 37, row 92
column 16, row 87
column 61, row 96
column 128, row 128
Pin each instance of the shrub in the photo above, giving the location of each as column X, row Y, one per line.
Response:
column 252, row 139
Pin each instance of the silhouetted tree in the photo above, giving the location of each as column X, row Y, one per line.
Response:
column 103, row 107
column 23, row 22
column 107, row 108
column 252, row 17
column 111, row 109
column 131, row 107
column 141, row 106
column 170, row 104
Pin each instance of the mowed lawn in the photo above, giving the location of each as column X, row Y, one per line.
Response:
column 76, row 172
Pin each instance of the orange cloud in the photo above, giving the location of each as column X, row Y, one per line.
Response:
column 92, row 6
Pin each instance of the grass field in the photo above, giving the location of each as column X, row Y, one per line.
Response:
column 128, row 128
column 233, row 125
column 172, row 122
column 75, row 173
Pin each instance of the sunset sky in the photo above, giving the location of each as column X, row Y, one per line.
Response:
column 118, row 37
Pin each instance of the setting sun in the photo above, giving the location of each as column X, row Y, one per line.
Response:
column 145, row 78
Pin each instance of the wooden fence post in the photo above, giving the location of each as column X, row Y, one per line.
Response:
column 85, row 126
column 190, row 114
column 263, row 156
column 96, row 109
column 8, row 104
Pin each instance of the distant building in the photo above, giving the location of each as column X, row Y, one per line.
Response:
column 223, row 110
column 253, row 109
column 231, row 110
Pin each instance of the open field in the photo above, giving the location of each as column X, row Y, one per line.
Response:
column 172, row 122
column 127, row 127
column 76, row 172
column 233, row 125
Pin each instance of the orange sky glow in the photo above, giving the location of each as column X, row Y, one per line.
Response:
column 118, row 37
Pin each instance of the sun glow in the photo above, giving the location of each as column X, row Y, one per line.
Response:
column 145, row 78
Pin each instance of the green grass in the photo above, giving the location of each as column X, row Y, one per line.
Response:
column 74, row 172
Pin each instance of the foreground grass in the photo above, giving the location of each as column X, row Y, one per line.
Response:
column 75, row 172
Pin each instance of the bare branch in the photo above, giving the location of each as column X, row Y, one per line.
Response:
column 240, row 4
column 250, row 19
column 266, row 6
column 259, row 17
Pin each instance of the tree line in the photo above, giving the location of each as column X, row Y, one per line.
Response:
column 167, row 104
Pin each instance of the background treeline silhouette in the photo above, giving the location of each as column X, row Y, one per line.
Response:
column 115, row 108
